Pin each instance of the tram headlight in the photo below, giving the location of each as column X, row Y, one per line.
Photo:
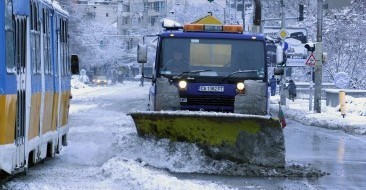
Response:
column 182, row 85
column 240, row 87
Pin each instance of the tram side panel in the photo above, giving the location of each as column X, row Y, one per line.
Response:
column 49, row 137
column 13, row 82
column 65, row 79
column 34, row 82
column 7, row 85
column 48, row 73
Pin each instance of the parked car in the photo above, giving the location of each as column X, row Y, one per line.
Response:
column 100, row 80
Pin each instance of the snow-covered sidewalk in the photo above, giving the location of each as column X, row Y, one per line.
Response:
column 354, row 121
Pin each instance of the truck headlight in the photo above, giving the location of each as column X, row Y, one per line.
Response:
column 182, row 85
column 240, row 87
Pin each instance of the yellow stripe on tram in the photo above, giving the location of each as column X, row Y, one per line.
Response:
column 7, row 119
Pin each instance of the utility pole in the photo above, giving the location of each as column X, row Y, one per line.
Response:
column 283, row 78
column 243, row 14
column 236, row 11
column 228, row 4
column 319, row 59
column 257, row 20
column 145, row 15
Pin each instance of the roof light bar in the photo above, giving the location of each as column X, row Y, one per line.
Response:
column 233, row 28
column 213, row 28
column 193, row 27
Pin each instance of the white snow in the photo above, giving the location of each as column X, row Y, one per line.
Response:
column 331, row 118
column 105, row 151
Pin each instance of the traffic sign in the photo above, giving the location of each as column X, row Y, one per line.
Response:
column 283, row 34
column 285, row 46
column 311, row 60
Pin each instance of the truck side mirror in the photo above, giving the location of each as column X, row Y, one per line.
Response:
column 142, row 53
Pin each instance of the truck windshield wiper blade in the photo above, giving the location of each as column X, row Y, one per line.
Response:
column 236, row 72
column 194, row 71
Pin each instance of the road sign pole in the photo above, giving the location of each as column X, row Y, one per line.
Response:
column 319, row 59
column 283, row 36
column 311, row 90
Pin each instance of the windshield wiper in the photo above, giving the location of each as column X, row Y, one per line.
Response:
column 194, row 71
column 236, row 72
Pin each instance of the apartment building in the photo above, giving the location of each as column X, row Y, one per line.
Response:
column 135, row 14
column 128, row 15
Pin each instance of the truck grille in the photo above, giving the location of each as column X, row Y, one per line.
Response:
column 209, row 100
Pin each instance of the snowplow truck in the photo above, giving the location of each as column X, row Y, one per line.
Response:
column 209, row 87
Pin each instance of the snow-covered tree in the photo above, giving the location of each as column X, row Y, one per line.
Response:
column 343, row 34
column 96, row 44
column 343, row 37
column 344, row 40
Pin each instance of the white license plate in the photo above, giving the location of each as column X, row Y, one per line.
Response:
column 211, row 89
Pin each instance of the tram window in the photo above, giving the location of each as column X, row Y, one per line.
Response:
column 23, row 42
column 61, row 31
column 44, row 21
column 10, row 57
column 64, row 61
column 20, row 41
column 38, row 50
column 67, row 59
column 46, row 41
column 56, row 65
column 10, row 41
column 34, row 17
column 67, row 55
column 35, row 39
column 63, row 48
column 67, row 32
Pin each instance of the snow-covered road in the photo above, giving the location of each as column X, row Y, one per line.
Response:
column 104, row 152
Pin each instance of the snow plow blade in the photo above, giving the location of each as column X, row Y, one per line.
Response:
column 241, row 138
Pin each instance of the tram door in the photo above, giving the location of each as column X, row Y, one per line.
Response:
column 20, row 61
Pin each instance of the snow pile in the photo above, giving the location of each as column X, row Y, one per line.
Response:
column 173, row 156
column 181, row 157
column 355, row 106
column 76, row 83
column 137, row 175
column 330, row 118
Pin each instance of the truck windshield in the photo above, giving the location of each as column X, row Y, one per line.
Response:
column 220, row 57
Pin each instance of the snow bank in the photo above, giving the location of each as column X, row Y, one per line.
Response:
column 330, row 118
column 137, row 175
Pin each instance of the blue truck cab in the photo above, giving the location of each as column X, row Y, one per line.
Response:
column 206, row 67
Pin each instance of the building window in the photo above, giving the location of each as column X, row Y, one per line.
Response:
column 156, row 6
column 126, row 8
column 146, row 6
column 153, row 20
column 124, row 20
